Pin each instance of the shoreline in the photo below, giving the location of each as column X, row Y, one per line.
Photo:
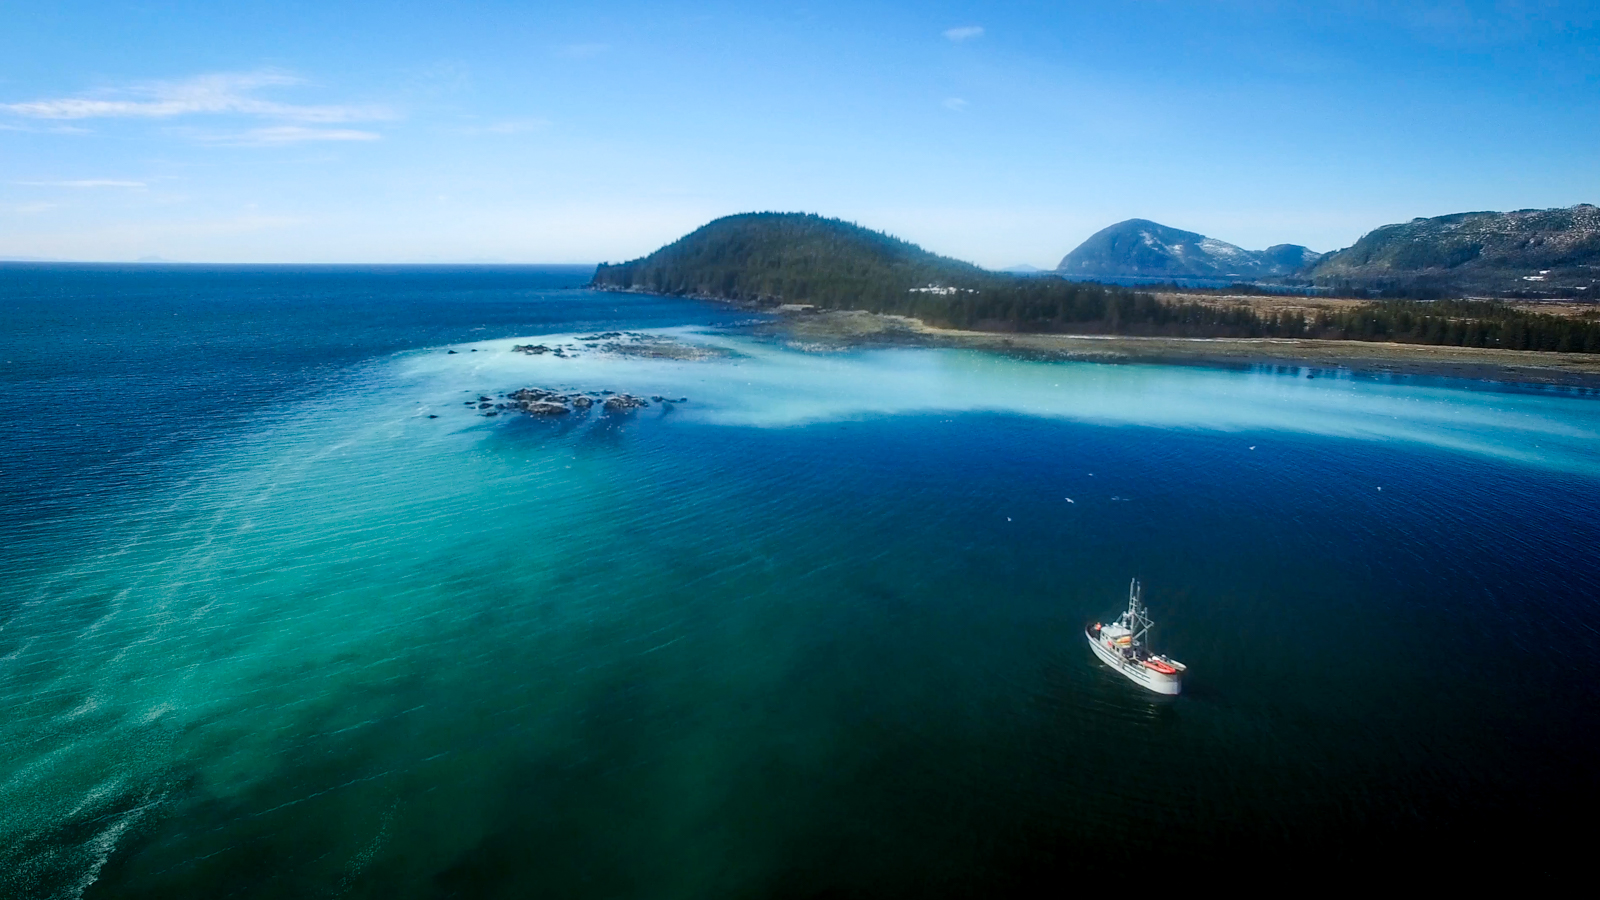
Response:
column 822, row 330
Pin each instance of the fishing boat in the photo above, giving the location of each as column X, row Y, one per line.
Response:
column 1124, row 646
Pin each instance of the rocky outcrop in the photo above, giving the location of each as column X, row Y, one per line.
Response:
column 623, row 343
column 624, row 403
column 543, row 403
column 546, row 403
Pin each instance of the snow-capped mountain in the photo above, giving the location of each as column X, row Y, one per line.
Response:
column 1139, row 247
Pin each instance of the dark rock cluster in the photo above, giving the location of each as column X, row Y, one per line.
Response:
column 624, row 402
column 540, row 402
column 541, row 349
column 544, row 403
column 622, row 343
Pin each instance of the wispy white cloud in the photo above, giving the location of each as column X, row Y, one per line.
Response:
column 583, row 51
column 286, row 134
column 955, row 104
column 45, row 129
column 29, row 209
column 87, row 183
column 213, row 94
column 964, row 33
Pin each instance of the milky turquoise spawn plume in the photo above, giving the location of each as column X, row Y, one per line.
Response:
column 283, row 612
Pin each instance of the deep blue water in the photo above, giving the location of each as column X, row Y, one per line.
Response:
column 267, row 629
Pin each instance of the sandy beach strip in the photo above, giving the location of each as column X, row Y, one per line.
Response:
column 825, row 330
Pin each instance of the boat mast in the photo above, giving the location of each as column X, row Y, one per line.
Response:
column 1138, row 622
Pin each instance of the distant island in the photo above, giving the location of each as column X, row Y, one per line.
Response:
column 776, row 260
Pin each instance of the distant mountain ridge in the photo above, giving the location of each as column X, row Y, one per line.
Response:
column 1142, row 248
column 1528, row 249
column 773, row 259
column 807, row 262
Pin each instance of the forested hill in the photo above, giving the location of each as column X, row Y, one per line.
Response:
column 791, row 258
column 776, row 258
column 1530, row 250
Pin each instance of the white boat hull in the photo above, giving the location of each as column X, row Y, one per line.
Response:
column 1135, row 671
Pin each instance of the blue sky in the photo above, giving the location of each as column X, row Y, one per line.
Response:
column 1002, row 134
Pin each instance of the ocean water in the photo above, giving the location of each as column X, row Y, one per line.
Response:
column 283, row 614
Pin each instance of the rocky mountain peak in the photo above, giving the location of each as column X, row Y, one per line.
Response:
column 1142, row 248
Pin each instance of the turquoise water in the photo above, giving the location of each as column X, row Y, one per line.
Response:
column 271, row 630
